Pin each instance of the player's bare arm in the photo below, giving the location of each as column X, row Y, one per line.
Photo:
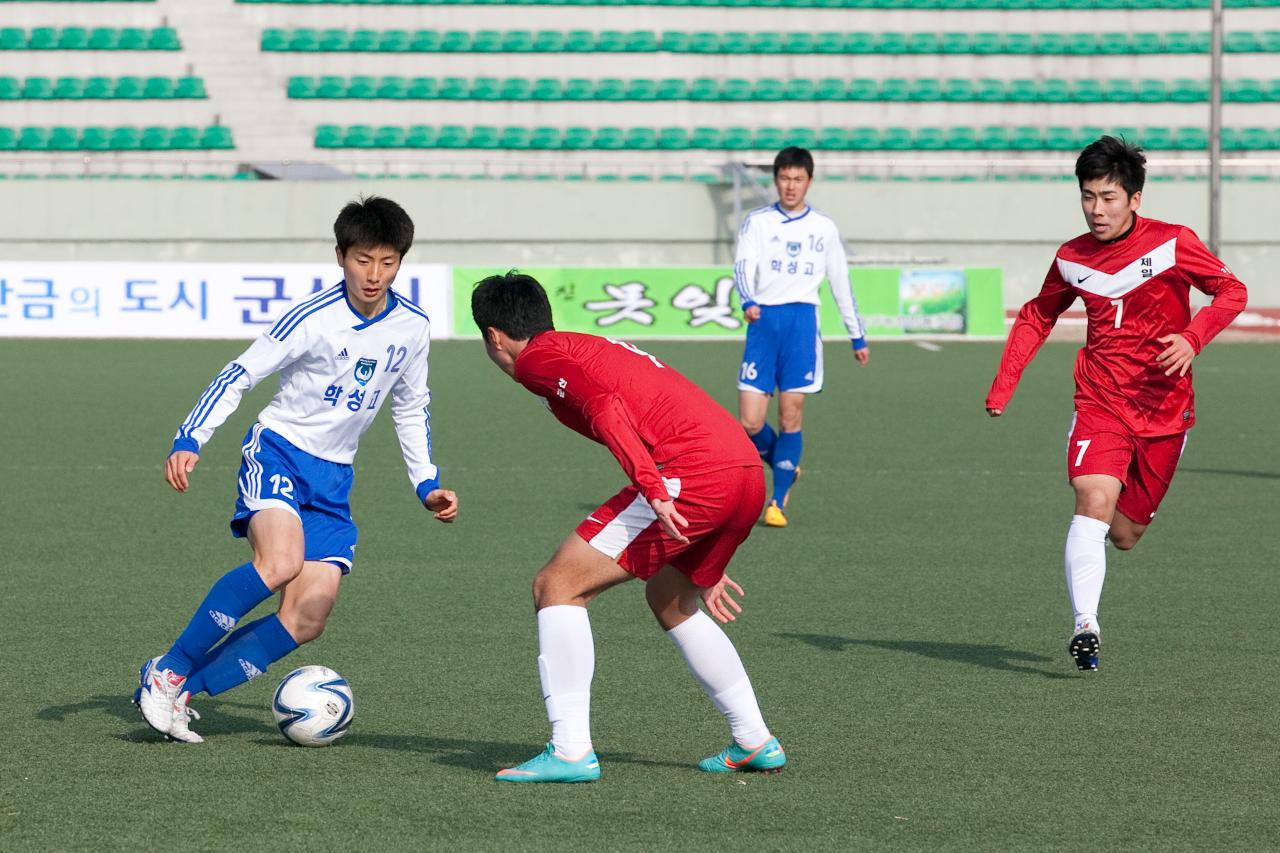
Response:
column 176, row 468
column 720, row 603
column 443, row 504
column 1177, row 356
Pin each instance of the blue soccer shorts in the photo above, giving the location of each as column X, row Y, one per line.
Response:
column 276, row 475
column 783, row 351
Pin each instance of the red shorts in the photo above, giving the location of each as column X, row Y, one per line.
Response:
column 720, row 506
column 1099, row 444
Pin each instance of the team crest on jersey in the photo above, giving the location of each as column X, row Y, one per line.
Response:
column 793, row 249
column 364, row 370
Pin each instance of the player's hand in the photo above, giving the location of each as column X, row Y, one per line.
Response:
column 862, row 355
column 751, row 314
column 443, row 504
column 995, row 413
column 668, row 518
column 1177, row 356
column 176, row 468
column 719, row 602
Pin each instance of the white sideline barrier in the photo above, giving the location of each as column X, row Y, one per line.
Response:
column 183, row 300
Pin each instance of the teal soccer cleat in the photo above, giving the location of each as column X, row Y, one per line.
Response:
column 766, row 758
column 547, row 766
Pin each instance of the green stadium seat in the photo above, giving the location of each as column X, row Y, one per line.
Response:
column 1025, row 138
column 545, row 138
column 304, row 40
column 961, row 138
column 860, row 42
column 388, row 41
column 99, row 87
column 164, row 38
column 37, row 89
column 1190, row 139
column 801, row 89
column 1269, row 41
column 580, row 41
column 1273, row 91
column 1146, row 43
column 455, row 89
column 1244, row 90
column 704, row 42
column 923, row 43
column 183, row 138
column 134, row 38
column 1059, row 138
column 863, row 139
column 484, row 136
column 704, row 89
column 453, row 41
column 955, row 43
column 426, row 41
column 358, row 136
column 579, row 89
column 393, row 88
column 990, row 90
column 275, row 39
column 514, row 138
column 1051, row 43
column 706, row 138
column 11, row 89
column 828, row 42
column 1114, row 43
column 155, row 139
column 891, row 42
column 673, row 138
column 1023, row 91
column 8, row 138
column 930, row 139
column 13, row 38
column 158, row 88
column 41, row 38
column 1157, row 138
column 390, row 136
column 675, row 41
column 1152, row 91
column 735, row 42
column 486, row 89
column 768, row 139
column 301, row 87
column 1128, row 133
column 1184, row 42
column 329, row 136
column 129, row 88
column 421, row 136
column 452, row 136
column 517, row 41
column 609, row 89
column 994, row 138
column 516, row 89
column 124, row 138
column 895, row 89
column 548, row 41
column 93, row 138
column 1240, row 42
column 958, row 89
column 735, row 89
column 73, row 38
column 986, row 43
column 1082, row 44
column 1121, row 90
column 1054, row 90
column 830, row 89
column 548, row 89
column 1187, row 90
column 641, row 139
column 925, row 89
column 609, row 138
column 1019, row 44
column 737, row 139
column 333, row 40
column 64, row 138
column 217, row 137
column 642, row 41
column 765, row 89
column 488, row 41
column 1087, row 90
column 641, row 89
column 577, row 138
column 331, row 86
column 897, row 139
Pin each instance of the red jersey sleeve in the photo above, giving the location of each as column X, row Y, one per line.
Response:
column 563, row 381
column 1034, row 323
column 1210, row 275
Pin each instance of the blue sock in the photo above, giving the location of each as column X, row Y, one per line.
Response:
column 786, row 458
column 233, row 595
column 245, row 655
column 764, row 441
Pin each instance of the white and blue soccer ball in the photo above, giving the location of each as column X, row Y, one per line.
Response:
column 313, row 706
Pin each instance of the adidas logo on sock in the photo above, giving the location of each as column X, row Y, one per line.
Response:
column 342, row 356
column 223, row 621
column 785, row 465
column 250, row 671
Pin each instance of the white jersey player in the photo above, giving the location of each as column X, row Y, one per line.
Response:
column 784, row 252
column 342, row 355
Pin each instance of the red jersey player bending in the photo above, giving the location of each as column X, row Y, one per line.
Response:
column 697, row 488
column 1133, row 400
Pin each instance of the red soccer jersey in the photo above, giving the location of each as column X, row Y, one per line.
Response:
column 1136, row 289
column 649, row 416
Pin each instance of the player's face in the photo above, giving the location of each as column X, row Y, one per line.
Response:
column 792, row 183
column 369, row 273
column 1108, row 209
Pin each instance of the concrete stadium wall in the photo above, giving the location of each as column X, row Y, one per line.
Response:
column 1015, row 226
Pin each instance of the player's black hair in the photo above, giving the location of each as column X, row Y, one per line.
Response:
column 1114, row 159
column 513, row 303
column 373, row 221
column 793, row 156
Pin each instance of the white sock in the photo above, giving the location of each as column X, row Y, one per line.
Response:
column 1086, row 565
column 566, row 662
column 716, row 666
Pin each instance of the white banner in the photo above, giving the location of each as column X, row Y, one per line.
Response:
column 183, row 300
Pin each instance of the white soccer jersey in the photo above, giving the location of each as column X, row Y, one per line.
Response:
column 782, row 259
column 337, row 369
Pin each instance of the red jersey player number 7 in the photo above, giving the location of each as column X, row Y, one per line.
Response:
column 1133, row 400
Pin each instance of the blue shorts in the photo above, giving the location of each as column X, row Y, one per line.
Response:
column 783, row 351
column 275, row 474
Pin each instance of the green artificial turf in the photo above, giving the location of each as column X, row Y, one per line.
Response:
column 906, row 634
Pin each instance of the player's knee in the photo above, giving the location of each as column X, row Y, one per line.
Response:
column 751, row 423
column 1124, row 540
column 1094, row 504
column 302, row 627
column 277, row 571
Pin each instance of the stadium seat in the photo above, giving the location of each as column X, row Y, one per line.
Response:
column 548, row 89
column 125, row 138
column 704, row 89
column 486, row 89
column 989, row 90
column 1240, row 42
column 1190, row 139
column 1121, row 90
column 514, row 138
column 577, row 138
column 641, row 139
column 1186, row 90
column 420, row 136
column 642, row 41
column 897, row 139
column 609, row 138
column 73, row 38
column 455, row 88
column 545, row 138
column 164, row 38
column 331, row 86
column 99, row 87
column 961, row 138
column 393, row 88
column 800, row 89
column 830, row 89
column 959, row 89
column 10, row 89
column 161, row 88
column 673, row 138
column 769, row 89
column 94, row 138
column 184, row 138
column 155, row 139
column 1184, row 42
column 925, row 89
column 930, row 139
column 217, row 137
column 1054, row 90
column 358, row 136
column 63, row 138
column 895, row 89
column 735, row 89
column 1244, row 90
column 707, row 138
column 578, row 89
column 516, row 89
column 129, row 88
column 768, row 139
column 993, row 138
column 37, row 89
column 1023, row 91
column 41, row 38
column 1087, row 90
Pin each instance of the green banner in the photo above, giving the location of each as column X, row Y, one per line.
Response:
column 690, row 302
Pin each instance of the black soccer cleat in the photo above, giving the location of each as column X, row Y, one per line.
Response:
column 1084, row 649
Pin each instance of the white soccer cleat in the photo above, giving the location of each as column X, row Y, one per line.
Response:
column 182, row 714
column 156, row 701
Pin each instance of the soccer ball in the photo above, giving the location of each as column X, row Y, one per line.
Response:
column 313, row 706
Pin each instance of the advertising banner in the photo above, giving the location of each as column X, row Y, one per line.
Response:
column 181, row 300
column 701, row 302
